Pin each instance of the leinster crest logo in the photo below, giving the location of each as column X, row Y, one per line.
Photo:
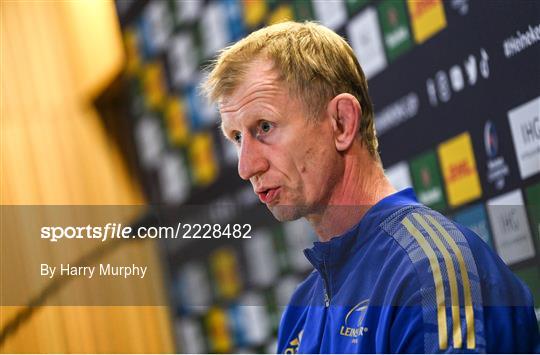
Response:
column 353, row 324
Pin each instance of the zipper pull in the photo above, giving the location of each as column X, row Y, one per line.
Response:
column 326, row 300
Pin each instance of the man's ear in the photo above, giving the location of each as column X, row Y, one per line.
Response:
column 345, row 112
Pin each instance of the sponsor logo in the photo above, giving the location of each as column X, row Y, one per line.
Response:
column 254, row 12
column 491, row 141
column 397, row 113
column 525, row 125
column 440, row 87
column 178, row 129
column 459, row 170
column 283, row 12
column 475, row 218
column 515, row 44
column 224, row 267
column 154, row 85
column 217, row 328
column 461, row 6
column 426, row 176
column 365, row 37
column 204, row 166
column 397, row 38
column 497, row 169
column 427, row 180
column 511, row 231
column 427, row 18
column 353, row 325
column 294, row 344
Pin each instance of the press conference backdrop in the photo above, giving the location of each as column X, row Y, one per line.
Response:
column 456, row 89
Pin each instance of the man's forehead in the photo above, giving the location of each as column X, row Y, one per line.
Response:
column 260, row 65
column 260, row 80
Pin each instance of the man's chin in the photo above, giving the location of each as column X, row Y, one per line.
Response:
column 285, row 213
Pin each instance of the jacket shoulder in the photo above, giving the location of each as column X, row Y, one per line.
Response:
column 446, row 270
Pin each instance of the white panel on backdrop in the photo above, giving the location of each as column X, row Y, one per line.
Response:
column 182, row 59
column 261, row 258
column 510, row 227
column 365, row 38
column 299, row 235
column 332, row 14
column 173, row 178
column 399, row 175
column 191, row 337
column 214, row 29
column 525, row 124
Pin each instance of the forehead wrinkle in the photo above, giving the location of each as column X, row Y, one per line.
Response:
column 256, row 91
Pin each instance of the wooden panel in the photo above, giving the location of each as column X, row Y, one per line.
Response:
column 54, row 151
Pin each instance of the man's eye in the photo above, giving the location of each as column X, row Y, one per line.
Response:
column 266, row 126
column 237, row 137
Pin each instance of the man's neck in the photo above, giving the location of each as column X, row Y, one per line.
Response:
column 362, row 186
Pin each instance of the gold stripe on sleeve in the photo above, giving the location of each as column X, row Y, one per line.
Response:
column 454, row 296
column 469, row 312
column 437, row 277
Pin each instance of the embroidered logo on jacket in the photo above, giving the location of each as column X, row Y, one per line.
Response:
column 354, row 321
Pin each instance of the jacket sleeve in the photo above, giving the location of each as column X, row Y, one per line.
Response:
column 510, row 323
column 443, row 312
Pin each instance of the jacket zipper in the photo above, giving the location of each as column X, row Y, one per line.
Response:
column 323, row 273
column 326, row 286
column 326, row 299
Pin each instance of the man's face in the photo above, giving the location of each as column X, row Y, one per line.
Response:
column 291, row 163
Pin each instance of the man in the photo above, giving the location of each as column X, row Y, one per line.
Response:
column 390, row 274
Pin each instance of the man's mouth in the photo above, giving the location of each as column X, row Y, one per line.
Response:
column 269, row 195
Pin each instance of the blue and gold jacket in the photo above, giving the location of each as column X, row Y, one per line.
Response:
column 406, row 279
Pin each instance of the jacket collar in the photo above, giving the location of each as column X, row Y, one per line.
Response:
column 336, row 249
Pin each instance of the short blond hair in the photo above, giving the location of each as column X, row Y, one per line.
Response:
column 315, row 63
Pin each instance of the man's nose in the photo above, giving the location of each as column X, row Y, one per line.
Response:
column 251, row 160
